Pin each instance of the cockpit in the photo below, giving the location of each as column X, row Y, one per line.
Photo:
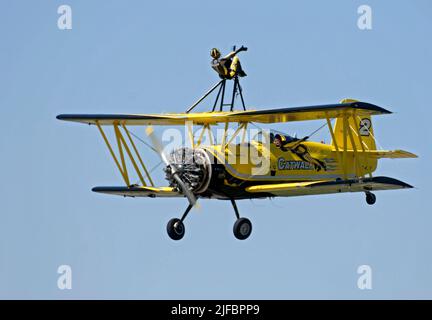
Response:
column 271, row 135
column 286, row 138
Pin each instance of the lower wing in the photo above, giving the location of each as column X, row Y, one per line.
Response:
column 139, row 191
column 326, row 187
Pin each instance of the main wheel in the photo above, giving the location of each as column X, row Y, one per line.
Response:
column 370, row 198
column 242, row 228
column 175, row 229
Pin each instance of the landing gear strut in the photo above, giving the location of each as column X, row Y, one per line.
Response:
column 176, row 228
column 242, row 227
column 370, row 198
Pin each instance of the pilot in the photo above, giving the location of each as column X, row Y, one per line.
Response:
column 229, row 66
column 281, row 140
column 277, row 141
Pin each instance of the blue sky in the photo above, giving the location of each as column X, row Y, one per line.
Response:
column 150, row 57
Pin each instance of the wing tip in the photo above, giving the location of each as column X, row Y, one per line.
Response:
column 369, row 106
column 392, row 181
column 73, row 118
column 107, row 189
column 114, row 189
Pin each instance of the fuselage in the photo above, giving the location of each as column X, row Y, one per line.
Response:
column 237, row 166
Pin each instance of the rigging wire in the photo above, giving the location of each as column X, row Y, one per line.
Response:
column 310, row 135
column 148, row 145
column 155, row 167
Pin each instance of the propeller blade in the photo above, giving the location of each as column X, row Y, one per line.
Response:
column 158, row 147
column 189, row 194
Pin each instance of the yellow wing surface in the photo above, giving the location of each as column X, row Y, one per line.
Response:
column 328, row 186
column 259, row 116
column 391, row 154
column 277, row 190
column 139, row 191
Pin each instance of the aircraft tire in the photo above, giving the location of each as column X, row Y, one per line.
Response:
column 175, row 229
column 370, row 198
column 242, row 228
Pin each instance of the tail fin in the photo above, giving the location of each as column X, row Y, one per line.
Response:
column 359, row 126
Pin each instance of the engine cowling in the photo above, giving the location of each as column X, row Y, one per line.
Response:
column 193, row 167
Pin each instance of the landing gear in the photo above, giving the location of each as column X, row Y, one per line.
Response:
column 242, row 227
column 370, row 198
column 175, row 227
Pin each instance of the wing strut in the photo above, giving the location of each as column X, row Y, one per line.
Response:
column 123, row 148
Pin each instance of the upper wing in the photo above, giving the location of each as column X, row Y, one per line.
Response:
column 313, row 112
column 325, row 187
column 140, row 191
column 260, row 116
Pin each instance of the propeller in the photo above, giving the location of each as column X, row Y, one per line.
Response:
column 174, row 172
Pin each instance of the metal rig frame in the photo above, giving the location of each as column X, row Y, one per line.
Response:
column 221, row 93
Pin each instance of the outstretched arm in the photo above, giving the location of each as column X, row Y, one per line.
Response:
column 233, row 53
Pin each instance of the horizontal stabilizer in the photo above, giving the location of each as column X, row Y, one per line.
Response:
column 395, row 154
column 139, row 191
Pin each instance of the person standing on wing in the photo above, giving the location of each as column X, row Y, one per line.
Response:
column 229, row 66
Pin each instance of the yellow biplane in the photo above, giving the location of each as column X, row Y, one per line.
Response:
column 226, row 168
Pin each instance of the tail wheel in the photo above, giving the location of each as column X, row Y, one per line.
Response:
column 242, row 228
column 175, row 229
column 370, row 198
